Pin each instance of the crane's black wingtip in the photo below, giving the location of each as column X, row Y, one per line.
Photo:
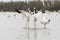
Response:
column 17, row 10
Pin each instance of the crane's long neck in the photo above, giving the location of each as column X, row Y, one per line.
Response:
column 25, row 14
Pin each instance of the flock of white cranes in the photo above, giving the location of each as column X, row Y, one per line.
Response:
column 35, row 16
column 27, row 14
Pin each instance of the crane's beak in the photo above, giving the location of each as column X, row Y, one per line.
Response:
column 17, row 11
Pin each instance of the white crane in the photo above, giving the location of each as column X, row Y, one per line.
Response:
column 45, row 21
column 35, row 16
column 27, row 15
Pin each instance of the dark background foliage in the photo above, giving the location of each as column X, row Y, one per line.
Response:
column 11, row 6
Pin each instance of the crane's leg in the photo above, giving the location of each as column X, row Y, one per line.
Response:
column 44, row 26
column 28, row 35
column 35, row 31
column 27, row 24
column 27, row 29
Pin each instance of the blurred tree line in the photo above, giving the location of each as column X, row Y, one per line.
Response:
column 11, row 6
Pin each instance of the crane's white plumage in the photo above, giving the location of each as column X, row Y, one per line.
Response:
column 25, row 13
column 45, row 21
